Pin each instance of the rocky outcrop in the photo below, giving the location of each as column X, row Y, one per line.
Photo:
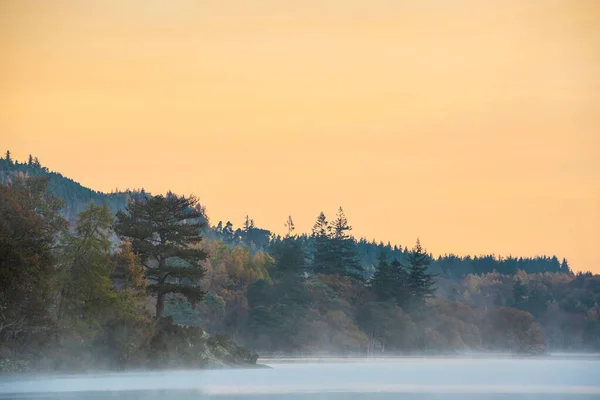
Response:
column 176, row 346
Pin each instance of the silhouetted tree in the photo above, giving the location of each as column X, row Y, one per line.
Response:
column 564, row 267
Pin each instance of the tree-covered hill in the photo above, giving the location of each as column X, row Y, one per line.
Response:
column 66, row 288
column 77, row 197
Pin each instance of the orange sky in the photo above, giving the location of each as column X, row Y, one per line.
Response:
column 474, row 125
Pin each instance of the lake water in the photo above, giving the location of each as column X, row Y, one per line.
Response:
column 314, row 379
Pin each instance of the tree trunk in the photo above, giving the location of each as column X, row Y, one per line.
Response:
column 160, row 297
column 160, row 305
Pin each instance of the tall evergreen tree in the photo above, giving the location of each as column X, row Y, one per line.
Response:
column 345, row 260
column 382, row 281
column 564, row 267
column 421, row 283
column 8, row 157
column 322, row 258
column 289, row 255
column 165, row 232
column 390, row 280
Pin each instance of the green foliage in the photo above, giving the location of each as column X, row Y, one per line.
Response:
column 421, row 284
column 390, row 280
column 165, row 232
column 387, row 326
column 30, row 226
column 335, row 251
column 87, row 294
column 70, row 302
column 290, row 259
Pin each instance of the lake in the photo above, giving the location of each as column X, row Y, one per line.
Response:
column 554, row 377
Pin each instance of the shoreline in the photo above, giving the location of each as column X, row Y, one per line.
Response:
column 441, row 356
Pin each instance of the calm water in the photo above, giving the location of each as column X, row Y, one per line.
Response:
column 407, row 378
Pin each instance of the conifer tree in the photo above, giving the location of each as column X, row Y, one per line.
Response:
column 420, row 282
column 322, row 258
column 382, row 282
column 345, row 260
column 564, row 267
column 166, row 232
column 290, row 259
column 390, row 280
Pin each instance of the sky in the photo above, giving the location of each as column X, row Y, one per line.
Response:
column 473, row 125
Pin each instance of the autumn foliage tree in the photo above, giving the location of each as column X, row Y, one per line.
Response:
column 30, row 225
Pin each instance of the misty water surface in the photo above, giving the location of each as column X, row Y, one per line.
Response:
column 406, row 378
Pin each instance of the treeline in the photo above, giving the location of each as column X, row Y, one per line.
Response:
column 71, row 300
column 367, row 252
column 311, row 296
column 76, row 198
column 71, row 290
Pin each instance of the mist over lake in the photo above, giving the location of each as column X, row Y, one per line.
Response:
column 555, row 377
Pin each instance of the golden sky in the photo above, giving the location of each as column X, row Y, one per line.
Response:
column 474, row 125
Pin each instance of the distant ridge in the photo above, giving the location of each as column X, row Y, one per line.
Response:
column 77, row 197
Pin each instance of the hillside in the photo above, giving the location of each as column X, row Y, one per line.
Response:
column 76, row 198
column 327, row 291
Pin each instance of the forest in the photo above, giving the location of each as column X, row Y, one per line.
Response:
column 134, row 279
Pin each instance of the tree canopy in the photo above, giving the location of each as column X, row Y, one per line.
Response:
column 165, row 231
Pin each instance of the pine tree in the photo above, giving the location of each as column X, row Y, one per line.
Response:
column 322, row 258
column 8, row 157
column 390, row 280
column 290, row 258
column 382, row 281
column 30, row 161
column 421, row 283
column 564, row 267
column 165, row 232
column 343, row 248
